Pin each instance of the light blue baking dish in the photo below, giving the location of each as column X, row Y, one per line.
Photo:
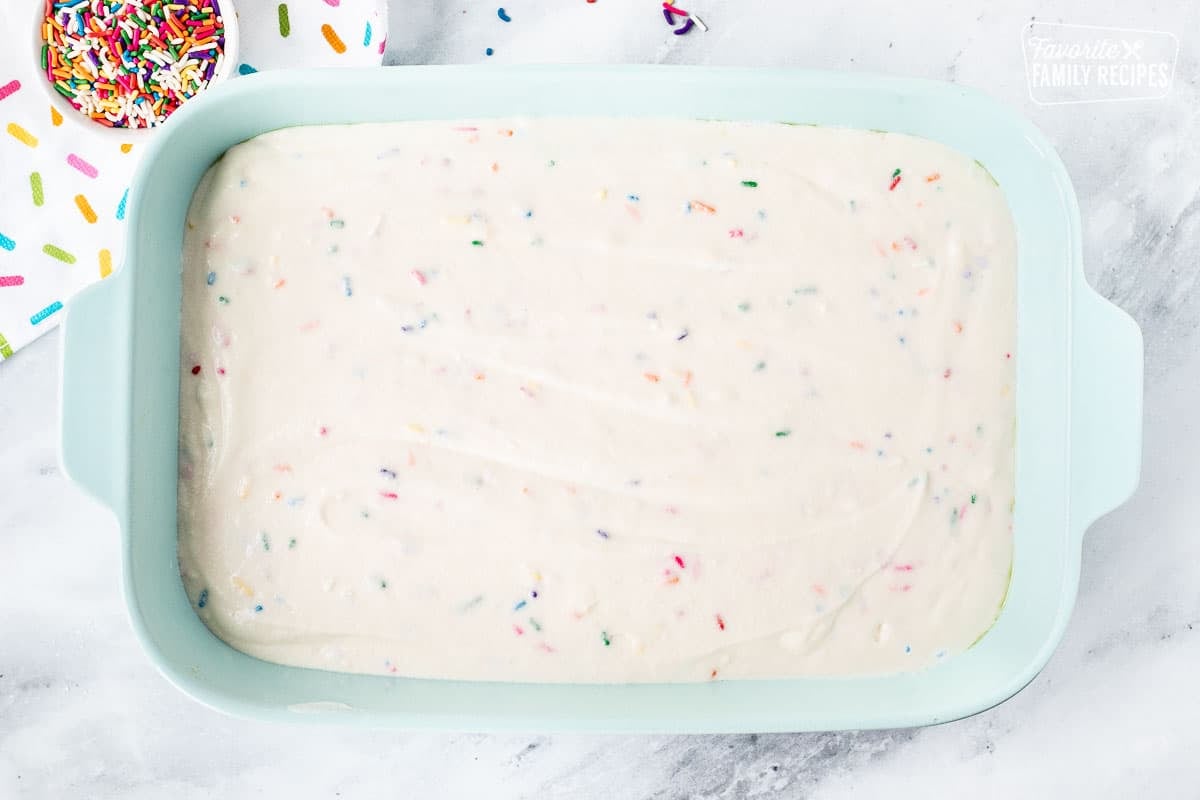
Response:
column 1079, row 393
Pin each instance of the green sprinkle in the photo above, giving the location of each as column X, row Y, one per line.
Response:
column 285, row 25
column 472, row 603
column 35, row 185
column 783, row 433
column 223, row 300
column 292, row 543
column 604, row 638
column 760, row 366
column 266, row 542
column 743, row 306
column 536, row 625
column 337, row 224
column 896, row 174
column 477, row 243
column 974, row 497
column 382, row 583
column 59, row 253
column 750, row 184
column 551, row 163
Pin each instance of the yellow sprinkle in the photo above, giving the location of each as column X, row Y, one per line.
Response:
column 55, row 116
column 602, row 194
column 242, row 586
column 85, row 208
column 105, row 263
column 21, row 135
column 415, row 428
column 125, row 148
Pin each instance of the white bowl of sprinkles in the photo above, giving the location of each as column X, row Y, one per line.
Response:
column 120, row 68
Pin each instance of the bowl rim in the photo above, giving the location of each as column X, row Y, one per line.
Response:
column 227, row 11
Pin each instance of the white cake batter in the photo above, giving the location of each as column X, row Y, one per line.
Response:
column 597, row 400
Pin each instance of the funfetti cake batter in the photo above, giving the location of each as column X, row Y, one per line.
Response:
column 597, row 400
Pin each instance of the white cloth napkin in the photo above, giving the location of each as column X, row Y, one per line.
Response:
column 54, row 181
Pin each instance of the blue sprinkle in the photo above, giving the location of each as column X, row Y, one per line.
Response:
column 520, row 604
column 488, row 52
column 346, row 288
column 295, row 502
column 7, row 243
column 258, row 608
column 367, row 36
column 907, row 649
column 502, row 14
column 202, row 600
column 121, row 205
column 387, row 473
column 246, row 69
column 528, row 213
column 49, row 310
column 243, row 183
column 533, row 594
column 211, row 278
column 633, row 198
column 602, row 534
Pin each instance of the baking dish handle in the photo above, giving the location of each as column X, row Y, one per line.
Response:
column 93, row 416
column 1106, row 407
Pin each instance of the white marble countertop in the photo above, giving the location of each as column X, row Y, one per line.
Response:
column 84, row 714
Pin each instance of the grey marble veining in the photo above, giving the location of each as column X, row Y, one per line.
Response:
column 83, row 713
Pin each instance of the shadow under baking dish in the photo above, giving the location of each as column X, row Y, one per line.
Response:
column 1078, row 398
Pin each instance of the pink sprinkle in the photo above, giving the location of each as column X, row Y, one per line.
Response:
column 11, row 280
column 83, row 166
column 518, row 630
column 903, row 568
column 333, row 3
column 545, row 647
column 819, row 589
column 389, row 495
column 671, row 509
column 720, row 622
column 895, row 183
column 946, row 374
column 382, row 45
column 736, row 233
column 679, row 561
column 311, row 325
column 9, row 88
column 322, row 431
column 908, row 240
column 220, row 370
column 419, row 277
column 962, row 512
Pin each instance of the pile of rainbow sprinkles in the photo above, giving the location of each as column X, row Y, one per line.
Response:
column 130, row 63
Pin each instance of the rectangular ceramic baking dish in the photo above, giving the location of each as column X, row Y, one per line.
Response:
column 1079, row 390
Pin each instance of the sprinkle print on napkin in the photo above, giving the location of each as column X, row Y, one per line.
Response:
column 64, row 195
